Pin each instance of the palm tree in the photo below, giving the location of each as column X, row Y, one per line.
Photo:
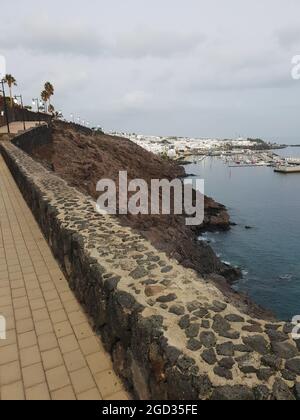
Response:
column 45, row 98
column 11, row 81
column 50, row 91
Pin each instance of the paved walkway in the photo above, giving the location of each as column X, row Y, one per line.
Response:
column 15, row 127
column 50, row 351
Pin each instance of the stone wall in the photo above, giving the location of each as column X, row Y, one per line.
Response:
column 33, row 137
column 171, row 334
column 17, row 114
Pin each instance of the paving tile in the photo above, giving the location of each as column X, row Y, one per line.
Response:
column 64, row 394
column 47, row 341
column 50, row 351
column 22, row 313
column 12, row 392
column 63, row 329
column 8, row 354
column 24, row 325
column 77, row 318
column 9, row 373
column 108, row 383
column 58, row 316
column 74, row 360
column 90, row 395
column 82, row 380
column 57, row 378
column 38, row 392
column 90, row 345
column 33, row 375
column 68, row 343
column 27, row 339
column 83, row 330
column 52, row 358
column 54, row 305
column 118, row 396
column 40, row 315
column 98, row 362
column 43, row 327
column 30, row 356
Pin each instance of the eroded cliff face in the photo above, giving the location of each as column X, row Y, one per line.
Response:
column 82, row 159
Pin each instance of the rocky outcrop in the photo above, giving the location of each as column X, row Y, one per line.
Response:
column 171, row 333
column 82, row 159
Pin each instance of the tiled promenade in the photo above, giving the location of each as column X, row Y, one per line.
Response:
column 50, row 351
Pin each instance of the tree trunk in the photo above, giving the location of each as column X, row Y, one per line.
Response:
column 10, row 94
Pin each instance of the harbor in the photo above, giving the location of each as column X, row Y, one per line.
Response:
column 235, row 153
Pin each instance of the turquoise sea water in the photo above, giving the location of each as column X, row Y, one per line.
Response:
column 269, row 254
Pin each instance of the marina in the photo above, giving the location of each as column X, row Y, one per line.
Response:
column 235, row 153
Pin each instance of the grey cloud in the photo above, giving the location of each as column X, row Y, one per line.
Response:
column 146, row 42
column 289, row 37
column 42, row 36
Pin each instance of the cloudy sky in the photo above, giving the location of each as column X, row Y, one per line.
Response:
column 171, row 67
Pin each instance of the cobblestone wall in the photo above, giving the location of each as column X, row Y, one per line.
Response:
column 171, row 334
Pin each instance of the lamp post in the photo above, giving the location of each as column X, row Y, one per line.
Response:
column 5, row 106
column 35, row 101
column 22, row 106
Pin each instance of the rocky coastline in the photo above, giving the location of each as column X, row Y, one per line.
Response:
column 82, row 158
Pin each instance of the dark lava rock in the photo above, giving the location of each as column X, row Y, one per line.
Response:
column 265, row 374
column 234, row 318
column 166, row 269
column 247, row 370
column 223, row 373
column 293, row 365
column 245, row 364
column 297, row 391
column 288, row 376
column 232, row 335
column 288, row 328
column 257, row 343
column 242, row 348
column 203, row 385
column 284, row 350
column 277, row 336
column 272, row 361
column 192, row 331
column 225, row 349
column 184, row 322
column 138, row 273
column 193, row 306
column 177, row 310
column 209, row 356
column 208, row 339
column 194, row 345
column 253, row 328
column 227, row 363
column 272, row 327
column 165, row 299
column 185, row 362
column 282, row 392
column 233, row 393
column 262, row 393
column 205, row 324
column 218, row 306
column 201, row 313
column 220, row 324
column 172, row 354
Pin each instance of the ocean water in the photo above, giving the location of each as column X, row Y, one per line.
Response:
column 269, row 253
